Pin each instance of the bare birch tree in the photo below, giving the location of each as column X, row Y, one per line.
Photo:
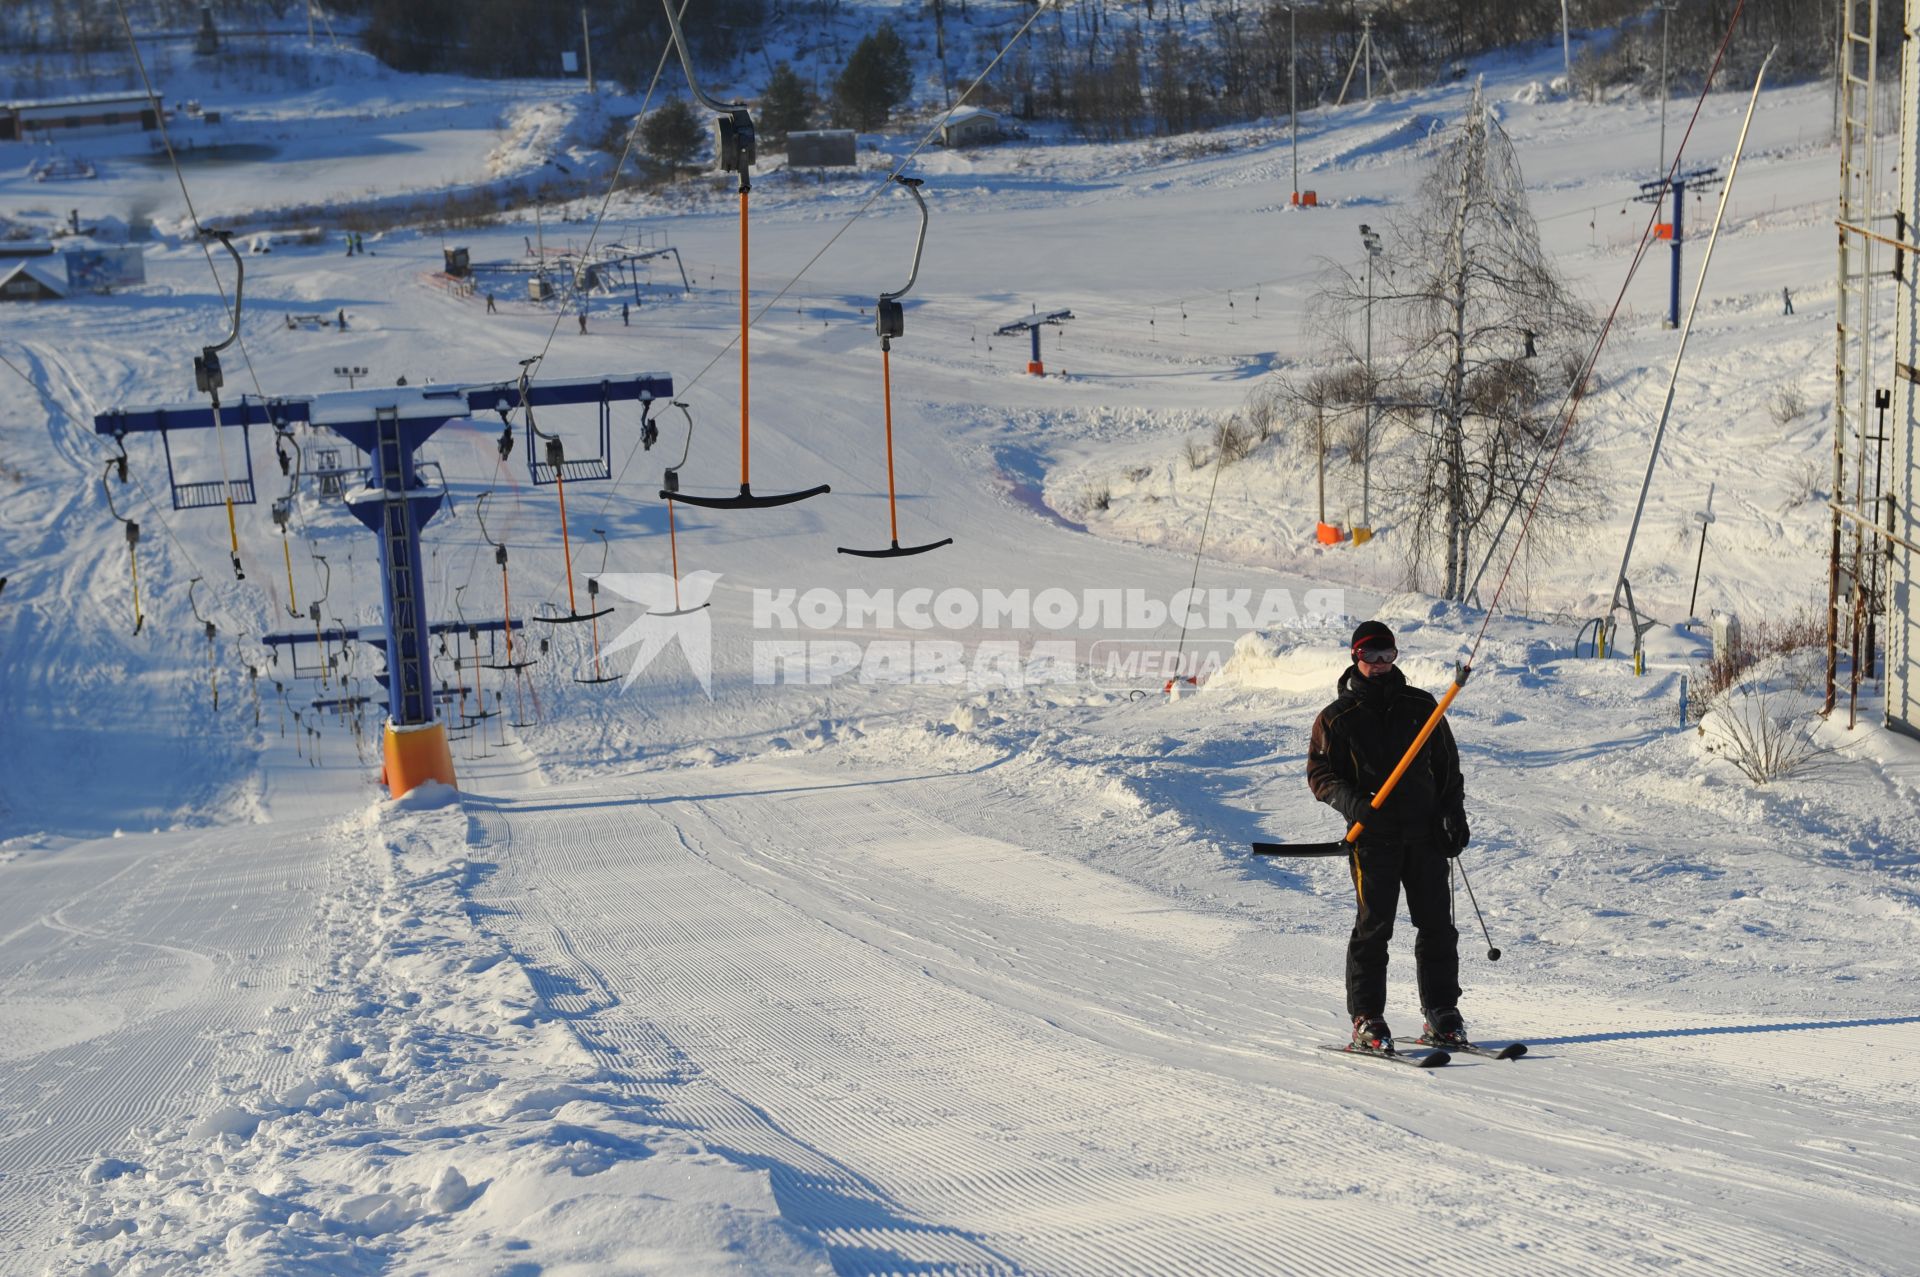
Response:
column 1477, row 343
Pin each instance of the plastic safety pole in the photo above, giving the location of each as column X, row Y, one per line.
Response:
column 1433, row 720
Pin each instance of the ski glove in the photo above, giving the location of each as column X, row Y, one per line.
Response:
column 1352, row 804
column 1454, row 834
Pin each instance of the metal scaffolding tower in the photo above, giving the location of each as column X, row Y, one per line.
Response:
column 1853, row 320
column 1896, row 513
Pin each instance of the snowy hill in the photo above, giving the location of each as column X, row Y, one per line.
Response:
column 840, row 970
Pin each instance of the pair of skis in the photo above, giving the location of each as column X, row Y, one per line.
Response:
column 1438, row 1057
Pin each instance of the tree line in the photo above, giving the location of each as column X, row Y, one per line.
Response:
column 1106, row 67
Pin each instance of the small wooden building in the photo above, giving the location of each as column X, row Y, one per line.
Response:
column 30, row 282
column 971, row 126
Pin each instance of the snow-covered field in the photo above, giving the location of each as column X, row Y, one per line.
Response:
column 861, row 975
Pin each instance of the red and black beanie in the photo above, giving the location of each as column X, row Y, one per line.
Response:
column 1370, row 634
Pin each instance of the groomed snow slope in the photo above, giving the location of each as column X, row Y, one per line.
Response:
column 871, row 978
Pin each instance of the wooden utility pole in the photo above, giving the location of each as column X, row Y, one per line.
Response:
column 586, row 46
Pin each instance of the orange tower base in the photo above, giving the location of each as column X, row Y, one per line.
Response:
column 1035, row 367
column 415, row 755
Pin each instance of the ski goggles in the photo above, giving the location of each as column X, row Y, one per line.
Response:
column 1377, row 655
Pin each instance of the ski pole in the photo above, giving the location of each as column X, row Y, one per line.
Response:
column 1493, row 954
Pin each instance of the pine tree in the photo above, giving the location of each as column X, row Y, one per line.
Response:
column 674, row 135
column 876, row 79
column 786, row 106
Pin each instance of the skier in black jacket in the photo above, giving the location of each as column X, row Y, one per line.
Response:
column 1357, row 742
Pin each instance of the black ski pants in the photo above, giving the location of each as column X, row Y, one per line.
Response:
column 1380, row 870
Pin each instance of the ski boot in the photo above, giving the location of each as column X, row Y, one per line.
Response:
column 1370, row 1034
column 1444, row 1027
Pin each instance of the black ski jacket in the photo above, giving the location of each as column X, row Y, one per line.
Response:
column 1358, row 741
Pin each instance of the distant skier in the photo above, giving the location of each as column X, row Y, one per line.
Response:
column 1357, row 742
column 583, row 323
column 341, row 320
column 491, row 308
column 623, row 316
column 1786, row 295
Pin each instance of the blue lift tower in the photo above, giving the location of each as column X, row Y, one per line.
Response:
column 1700, row 179
column 389, row 424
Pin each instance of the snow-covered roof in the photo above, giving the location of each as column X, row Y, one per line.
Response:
column 78, row 99
column 971, row 113
column 34, row 271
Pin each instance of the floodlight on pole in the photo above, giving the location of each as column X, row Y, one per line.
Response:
column 1566, row 47
column 350, row 372
column 1293, row 109
column 1371, row 240
column 1366, row 44
column 1666, row 14
column 586, row 46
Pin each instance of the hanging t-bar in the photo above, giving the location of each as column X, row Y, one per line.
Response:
column 890, row 321
column 737, row 154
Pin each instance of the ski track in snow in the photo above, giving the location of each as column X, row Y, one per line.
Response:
column 951, row 1027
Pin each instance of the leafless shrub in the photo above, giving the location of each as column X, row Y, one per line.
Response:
column 1572, row 364
column 1353, row 437
column 1097, row 498
column 1262, row 412
column 1235, row 441
column 1803, row 485
column 1758, row 641
column 1787, row 403
column 1767, row 732
column 1196, row 453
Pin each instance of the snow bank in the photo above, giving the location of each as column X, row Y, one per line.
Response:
column 1269, row 662
column 442, row 1107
